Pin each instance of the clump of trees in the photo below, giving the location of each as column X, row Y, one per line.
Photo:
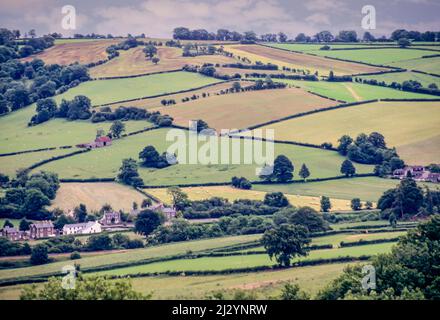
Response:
column 371, row 149
column 152, row 159
column 281, row 171
column 27, row 196
column 128, row 173
column 408, row 200
column 241, row 183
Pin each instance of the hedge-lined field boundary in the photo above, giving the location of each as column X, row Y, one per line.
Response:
column 427, row 73
column 162, row 94
column 42, row 162
column 136, row 75
column 27, row 151
column 361, row 242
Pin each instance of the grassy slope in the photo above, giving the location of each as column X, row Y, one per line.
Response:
column 245, row 261
column 430, row 65
column 367, row 189
column 400, row 77
column 10, row 164
column 320, row 162
column 106, row 91
column 412, row 127
column 344, row 90
column 132, row 255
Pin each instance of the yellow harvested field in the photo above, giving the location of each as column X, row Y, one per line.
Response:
column 245, row 109
column 298, row 60
column 83, row 52
column 134, row 62
column 156, row 102
column 95, row 195
column 230, row 193
column 411, row 127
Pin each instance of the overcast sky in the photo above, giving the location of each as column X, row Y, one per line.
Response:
column 157, row 18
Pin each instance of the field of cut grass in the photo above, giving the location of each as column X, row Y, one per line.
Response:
column 201, row 193
column 134, row 62
column 10, row 164
column 298, row 60
column 113, row 90
column 95, row 195
column 105, row 162
column 430, row 65
column 245, row 261
column 211, row 91
column 132, row 255
column 375, row 56
column 242, row 110
column 411, row 127
column 367, row 189
column 400, row 77
column 352, row 91
column 71, row 51
column 269, row 283
column 15, row 135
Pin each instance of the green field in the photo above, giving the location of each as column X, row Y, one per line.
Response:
column 15, row 135
column 367, row 189
column 105, row 162
column 107, row 91
column 411, row 127
column 429, row 65
column 244, row 261
column 10, row 164
column 400, row 77
column 132, row 255
column 264, row 284
column 352, row 91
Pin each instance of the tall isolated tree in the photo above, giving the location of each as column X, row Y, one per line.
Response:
column 282, row 169
column 304, row 172
column 347, row 168
column 285, row 242
column 326, row 204
column 117, row 128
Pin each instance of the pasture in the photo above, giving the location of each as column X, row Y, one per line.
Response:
column 134, row 62
column 132, row 255
column 429, row 65
column 267, row 283
column 113, row 90
column 67, row 52
column 298, row 60
column 242, row 110
column 411, row 127
column 95, row 195
column 230, row 193
column 105, row 162
column 353, row 91
column 243, row 261
column 366, row 188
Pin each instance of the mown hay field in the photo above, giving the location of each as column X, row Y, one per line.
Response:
column 298, row 60
column 95, row 195
column 134, row 62
column 242, row 110
column 353, row 91
column 105, row 162
column 411, row 127
column 69, row 52
column 366, row 188
column 210, row 91
column 230, row 193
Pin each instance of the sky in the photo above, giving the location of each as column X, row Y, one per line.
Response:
column 157, row 18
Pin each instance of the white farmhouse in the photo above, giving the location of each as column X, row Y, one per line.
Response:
column 82, row 228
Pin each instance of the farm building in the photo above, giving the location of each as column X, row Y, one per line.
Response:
column 100, row 142
column 43, row 229
column 12, row 233
column 418, row 173
column 82, row 228
column 169, row 213
column 111, row 218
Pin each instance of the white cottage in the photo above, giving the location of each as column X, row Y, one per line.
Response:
column 82, row 228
